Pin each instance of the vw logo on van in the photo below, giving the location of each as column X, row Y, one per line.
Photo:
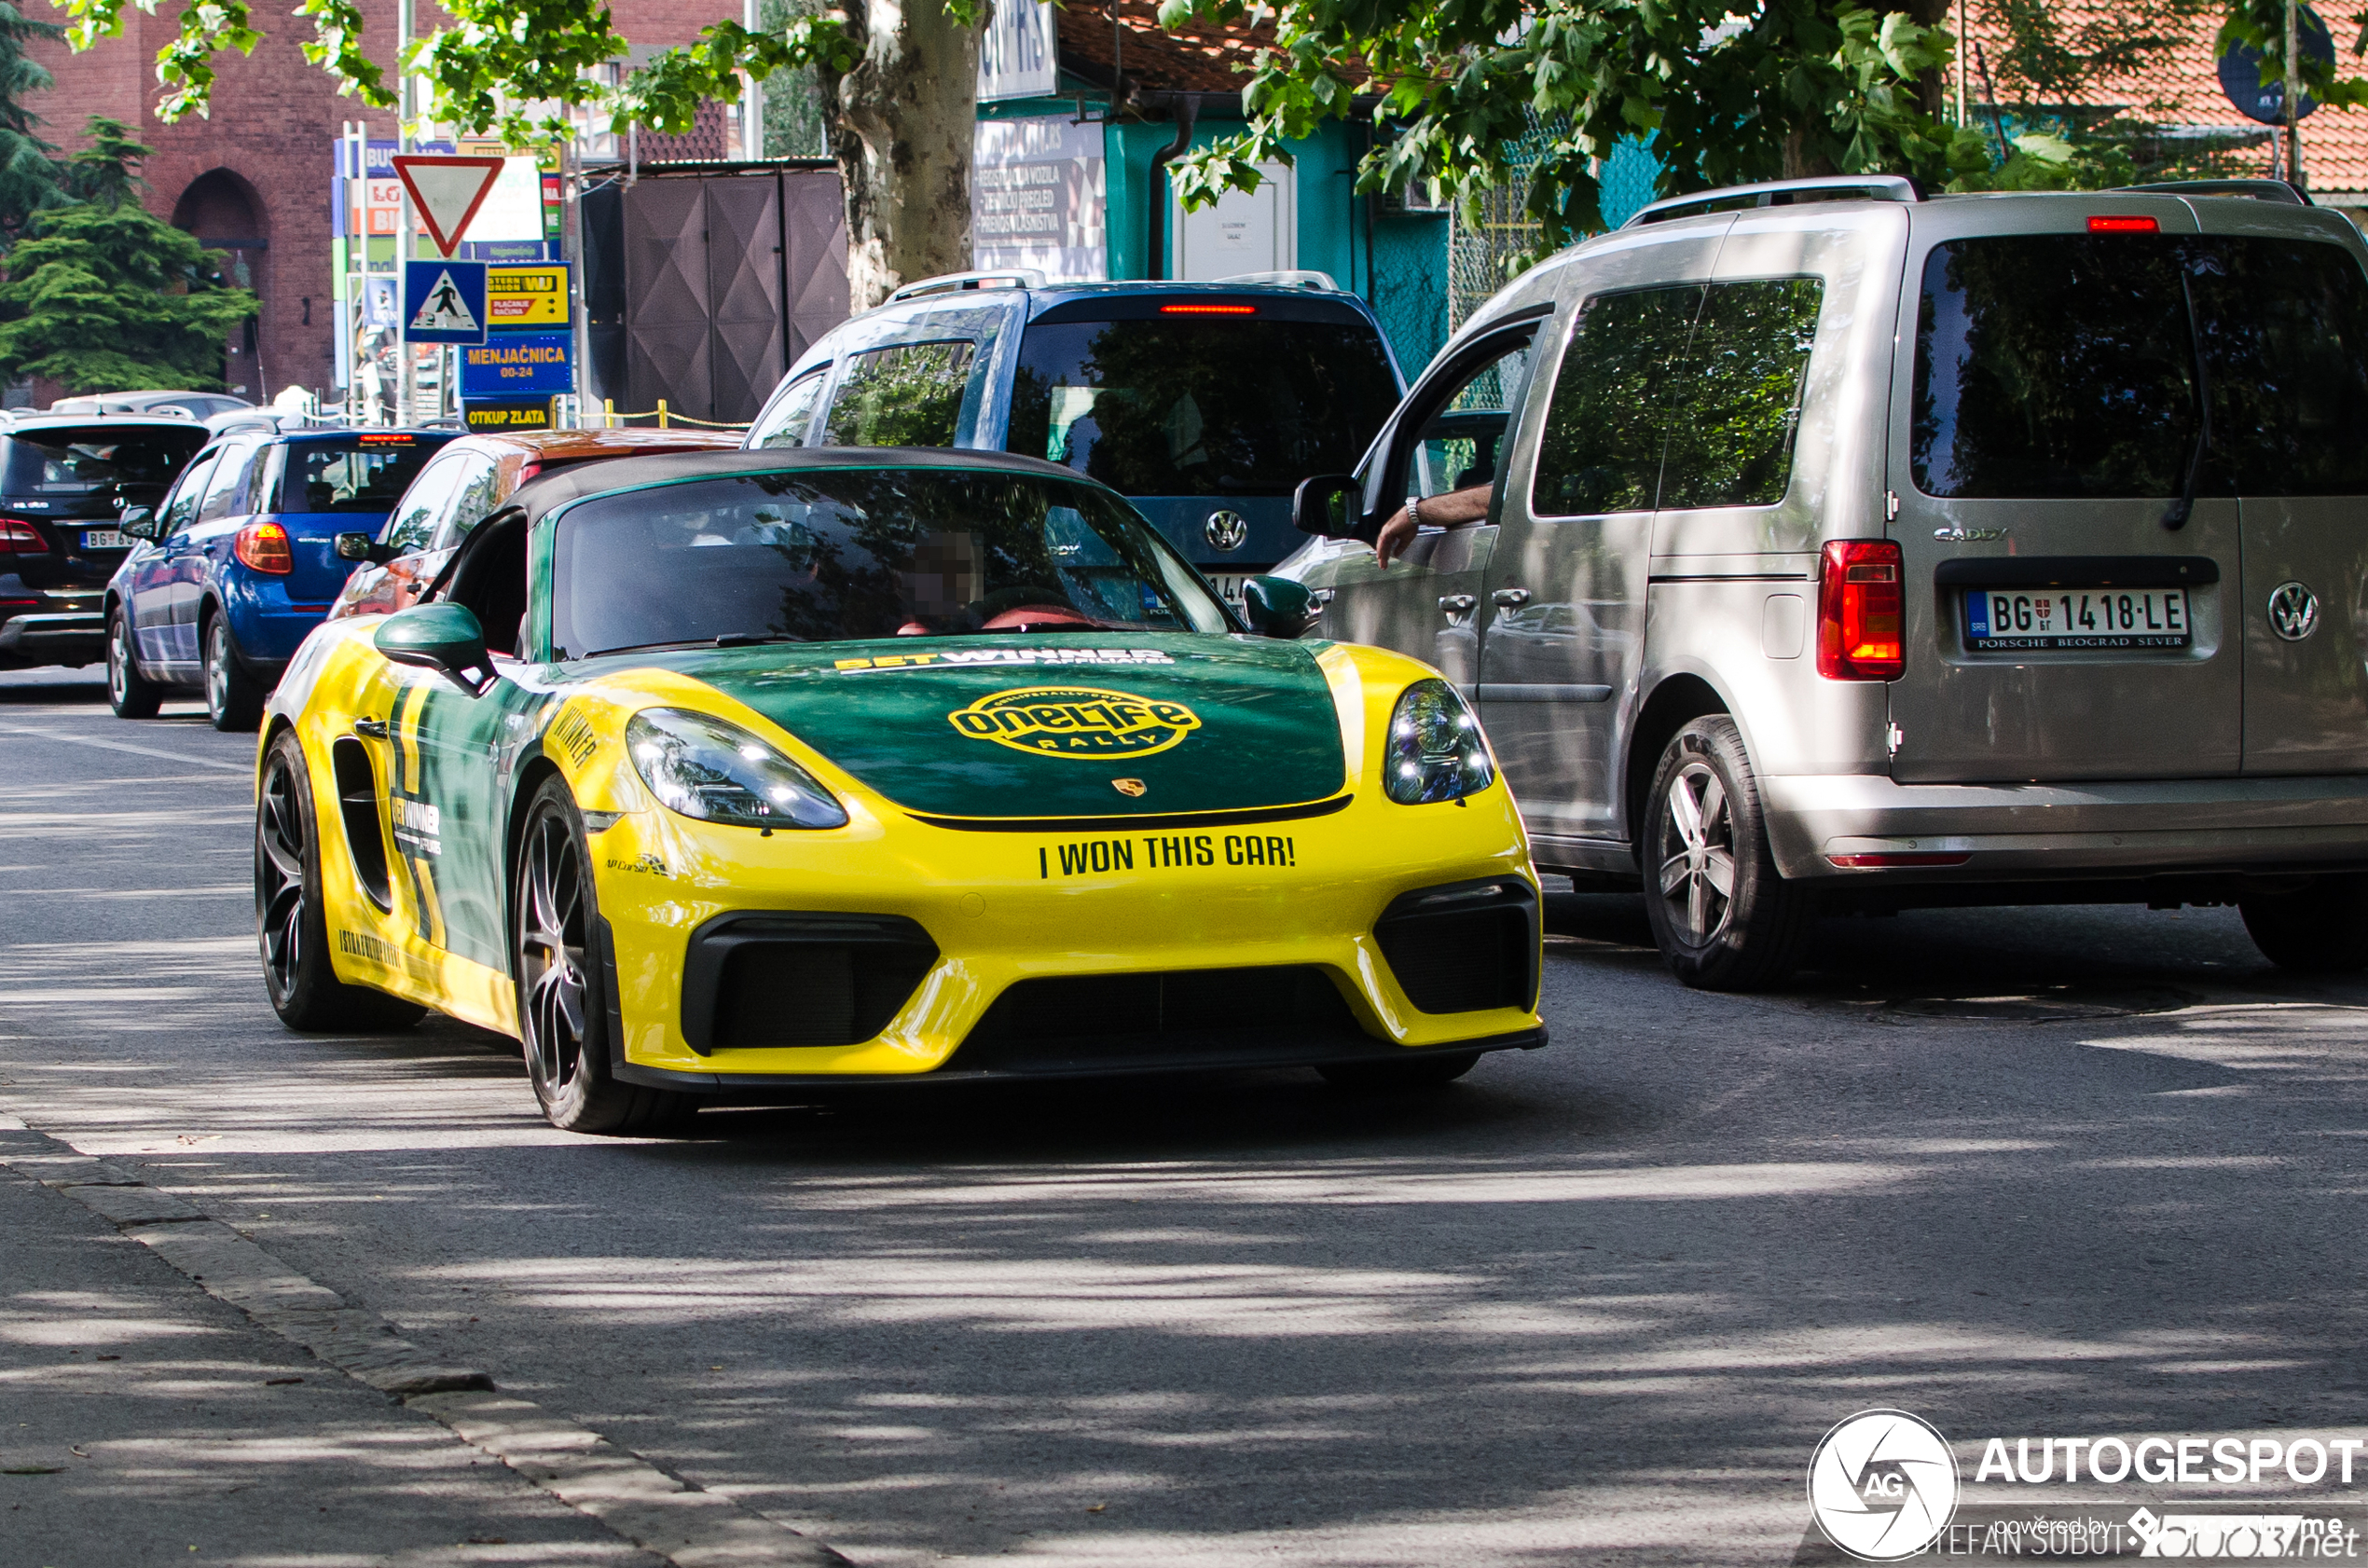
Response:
column 1225, row 530
column 2293, row 611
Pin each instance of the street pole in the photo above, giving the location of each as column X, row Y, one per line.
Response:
column 407, row 387
column 2293, row 92
column 572, row 251
column 1965, row 48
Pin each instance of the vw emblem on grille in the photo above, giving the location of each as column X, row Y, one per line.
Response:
column 1226, row 531
column 2293, row 611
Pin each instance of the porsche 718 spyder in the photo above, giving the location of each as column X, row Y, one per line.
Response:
column 735, row 775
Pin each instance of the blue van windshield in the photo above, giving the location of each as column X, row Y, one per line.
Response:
column 1199, row 403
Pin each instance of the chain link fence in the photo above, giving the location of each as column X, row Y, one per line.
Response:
column 1482, row 257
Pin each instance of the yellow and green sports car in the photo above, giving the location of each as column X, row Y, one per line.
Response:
column 796, row 769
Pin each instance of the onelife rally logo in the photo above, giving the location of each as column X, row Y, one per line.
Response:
column 1076, row 721
column 1882, row 1485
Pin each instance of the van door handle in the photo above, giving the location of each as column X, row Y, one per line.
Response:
column 1457, row 608
column 374, row 728
column 1509, row 598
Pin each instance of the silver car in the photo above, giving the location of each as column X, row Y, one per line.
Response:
column 1840, row 549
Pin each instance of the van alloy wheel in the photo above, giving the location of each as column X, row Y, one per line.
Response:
column 1697, row 876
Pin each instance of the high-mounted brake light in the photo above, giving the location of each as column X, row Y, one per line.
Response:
column 2123, row 226
column 1859, row 605
column 20, row 538
column 386, row 438
column 1208, row 309
column 264, row 547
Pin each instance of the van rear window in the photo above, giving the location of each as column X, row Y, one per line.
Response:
column 2064, row 365
column 1199, row 404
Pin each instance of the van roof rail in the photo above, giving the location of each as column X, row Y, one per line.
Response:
column 951, row 282
column 2259, row 190
column 1780, row 193
column 1298, row 278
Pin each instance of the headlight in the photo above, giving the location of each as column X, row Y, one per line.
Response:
column 716, row 772
column 1435, row 751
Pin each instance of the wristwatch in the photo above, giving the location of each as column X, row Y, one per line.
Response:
column 1414, row 509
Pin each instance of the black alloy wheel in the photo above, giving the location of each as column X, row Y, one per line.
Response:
column 1723, row 915
column 233, row 698
column 132, row 694
column 563, row 1020
column 297, row 971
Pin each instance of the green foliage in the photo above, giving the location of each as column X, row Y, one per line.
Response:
column 2262, row 23
column 103, row 298
column 28, row 178
column 1797, row 86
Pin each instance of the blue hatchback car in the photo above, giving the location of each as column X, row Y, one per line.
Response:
column 239, row 561
column 1204, row 404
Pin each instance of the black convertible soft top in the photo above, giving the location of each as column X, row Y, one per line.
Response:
column 541, row 496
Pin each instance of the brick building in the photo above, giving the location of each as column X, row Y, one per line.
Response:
column 253, row 177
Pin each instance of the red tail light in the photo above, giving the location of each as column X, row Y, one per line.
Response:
column 264, row 547
column 1859, row 605
column 529, row 472
column 20, row 538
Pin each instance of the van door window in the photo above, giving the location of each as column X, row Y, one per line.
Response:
column 906, row 395
column 1460, row 436
column 1609, row 420
column 2284, row 325
column 786, row 423
column 1740, row 395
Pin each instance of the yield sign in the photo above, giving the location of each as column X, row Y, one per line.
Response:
column 447, row 191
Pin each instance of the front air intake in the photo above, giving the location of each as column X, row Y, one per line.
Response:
column 762, row 982
column 1464, row 947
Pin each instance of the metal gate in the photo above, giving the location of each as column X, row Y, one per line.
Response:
column 726, row 277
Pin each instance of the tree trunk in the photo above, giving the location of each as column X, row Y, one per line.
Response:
column 902, row 140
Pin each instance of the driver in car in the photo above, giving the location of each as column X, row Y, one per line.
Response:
column 1450, row 509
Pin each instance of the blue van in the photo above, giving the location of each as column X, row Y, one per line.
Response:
column 239, row 561
column 1202, row 403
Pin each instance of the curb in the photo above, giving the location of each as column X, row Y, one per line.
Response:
column 658, row 1512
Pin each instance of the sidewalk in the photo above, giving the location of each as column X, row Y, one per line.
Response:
column 143, row 1422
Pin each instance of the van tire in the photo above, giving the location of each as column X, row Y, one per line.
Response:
column 2319, row 929
column 1749, row 936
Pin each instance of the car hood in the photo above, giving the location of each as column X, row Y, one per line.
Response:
column 1068, row 726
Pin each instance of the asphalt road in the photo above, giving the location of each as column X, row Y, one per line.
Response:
column 2018, row 1170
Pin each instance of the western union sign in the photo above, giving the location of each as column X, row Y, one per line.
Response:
column 535, row 295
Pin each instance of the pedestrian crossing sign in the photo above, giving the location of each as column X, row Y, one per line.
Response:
column 444, row 301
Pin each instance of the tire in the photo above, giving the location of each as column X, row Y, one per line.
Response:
column 1427, row 1071
column 290, row 930
column 2321, row 929
column 563, row 1015
column 132, row 694
column 1723, row 917
column 233, row 698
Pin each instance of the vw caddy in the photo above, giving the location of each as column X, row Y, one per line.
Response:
column 1850, row 550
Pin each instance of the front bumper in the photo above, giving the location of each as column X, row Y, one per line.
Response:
column 1041, row 972
column 2116, row 829
column 64, row 638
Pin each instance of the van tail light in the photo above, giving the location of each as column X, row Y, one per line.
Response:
column 1859, row 606
column 20, row 538
column 264, row 547
column 2120, row 225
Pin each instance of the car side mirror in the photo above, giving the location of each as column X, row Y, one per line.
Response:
column 362, row 547
column 1278, row 606
column 444, row 637
column 1322, row 507
column 140, row 522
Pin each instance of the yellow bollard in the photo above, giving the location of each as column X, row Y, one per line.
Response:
column 661, row 413
column 607, row 413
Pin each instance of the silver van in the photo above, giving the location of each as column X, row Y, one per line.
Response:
column 1846, row 550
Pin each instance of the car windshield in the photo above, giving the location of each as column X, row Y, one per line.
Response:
column 71, row 460
column 820, row 556
column 1200, row 404
column 364, row 473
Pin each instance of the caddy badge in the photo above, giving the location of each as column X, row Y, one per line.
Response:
column 1225, row 530
column 2293, row 611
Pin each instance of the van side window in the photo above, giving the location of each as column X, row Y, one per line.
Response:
column 906, row 395
column 1740, row 394
column 1460, row 433
column 2285, row 332
column 786, row 423
column 1609, row 420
